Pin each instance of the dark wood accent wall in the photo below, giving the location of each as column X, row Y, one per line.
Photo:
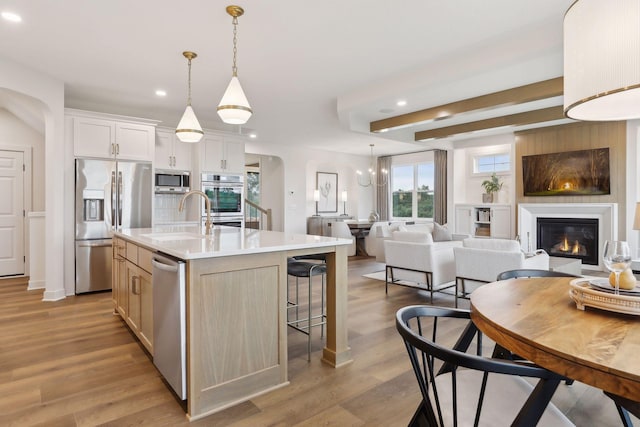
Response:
column 572, row 137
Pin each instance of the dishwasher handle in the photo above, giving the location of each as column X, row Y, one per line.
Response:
column 165, row 267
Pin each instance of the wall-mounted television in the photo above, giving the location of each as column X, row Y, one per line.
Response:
column 569, row 173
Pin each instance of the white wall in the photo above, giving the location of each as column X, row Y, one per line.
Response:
column 468, row 187
column 15, row 132
column 300, row 166
column 47, row 94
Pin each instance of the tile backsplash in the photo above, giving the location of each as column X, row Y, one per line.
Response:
column 165, row 209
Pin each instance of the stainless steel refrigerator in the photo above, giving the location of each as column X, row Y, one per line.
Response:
column 109, row 195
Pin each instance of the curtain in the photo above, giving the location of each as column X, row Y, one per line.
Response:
column 382, row 193
column 440, row 184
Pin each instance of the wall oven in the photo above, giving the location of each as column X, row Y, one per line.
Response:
column 226, row 194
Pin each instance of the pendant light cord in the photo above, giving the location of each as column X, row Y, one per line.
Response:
column 234, row 69
column 189, row 97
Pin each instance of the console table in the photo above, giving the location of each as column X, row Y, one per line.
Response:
column 319, row 225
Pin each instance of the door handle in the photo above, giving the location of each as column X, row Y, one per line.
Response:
column 164, row 267
column 113, row 199
column 134, row 280
column 94, row 245
column 120, row 199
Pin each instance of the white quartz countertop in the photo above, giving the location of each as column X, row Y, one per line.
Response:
column 189, row 242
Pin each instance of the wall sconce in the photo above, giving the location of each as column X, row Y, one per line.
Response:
column 344, row 202
column 316, row 198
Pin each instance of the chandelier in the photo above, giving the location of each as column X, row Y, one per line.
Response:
column 234, row 107
column 371, row 179
column 189, row 129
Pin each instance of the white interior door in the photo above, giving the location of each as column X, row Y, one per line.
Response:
column 11, row 213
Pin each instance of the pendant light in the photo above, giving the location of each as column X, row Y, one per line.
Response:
column 189, row 129
column 234, row 107
column 602, row 60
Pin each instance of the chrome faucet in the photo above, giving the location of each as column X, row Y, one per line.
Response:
column 207, row 203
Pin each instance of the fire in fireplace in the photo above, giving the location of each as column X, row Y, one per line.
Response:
column 569, row 238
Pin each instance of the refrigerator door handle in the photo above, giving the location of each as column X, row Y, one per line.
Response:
column 113, row 199
column 120, row 190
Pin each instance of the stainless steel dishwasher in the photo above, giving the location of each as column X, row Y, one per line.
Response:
column 169, row 335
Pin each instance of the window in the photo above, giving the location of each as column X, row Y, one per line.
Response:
column 412, row 190
column 488, row 164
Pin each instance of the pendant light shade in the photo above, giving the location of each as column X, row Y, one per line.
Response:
column 602, row 60
column 189, row 129
column 234, row 107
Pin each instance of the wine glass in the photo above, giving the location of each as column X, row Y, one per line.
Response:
column 617, row 258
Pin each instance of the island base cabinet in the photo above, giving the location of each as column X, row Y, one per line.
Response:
column 140, row 313
column 236, row 330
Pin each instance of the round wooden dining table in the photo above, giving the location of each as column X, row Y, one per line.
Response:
column 536, row 319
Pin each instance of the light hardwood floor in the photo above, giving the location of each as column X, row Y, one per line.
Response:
column 73, row 363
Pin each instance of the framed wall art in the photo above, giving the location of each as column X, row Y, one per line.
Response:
column 569, row 173
column 327, row 185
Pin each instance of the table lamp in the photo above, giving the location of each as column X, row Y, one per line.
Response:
column 316, row 198
column 344, row 202
column 636, row 220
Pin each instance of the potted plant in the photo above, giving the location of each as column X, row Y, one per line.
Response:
column 490, row 186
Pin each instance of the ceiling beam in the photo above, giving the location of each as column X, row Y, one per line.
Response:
column 528, row 117
column 518, row 95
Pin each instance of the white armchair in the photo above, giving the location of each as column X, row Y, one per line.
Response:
column 341, row 229
column 481, row 260
column 412, row 256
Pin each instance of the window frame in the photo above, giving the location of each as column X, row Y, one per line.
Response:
column 414, row 163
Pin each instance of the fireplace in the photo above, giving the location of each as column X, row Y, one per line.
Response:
column 605, row 213
column 569, row 238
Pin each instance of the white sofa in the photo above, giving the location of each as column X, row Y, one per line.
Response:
column 413, row 256
column 481, row 260
column 382, row 230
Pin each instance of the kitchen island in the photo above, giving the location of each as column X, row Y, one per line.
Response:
column 235, row 302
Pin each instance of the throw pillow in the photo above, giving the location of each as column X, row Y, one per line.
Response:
column 441, row 233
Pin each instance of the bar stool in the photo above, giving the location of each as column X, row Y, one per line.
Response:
column 304, row 324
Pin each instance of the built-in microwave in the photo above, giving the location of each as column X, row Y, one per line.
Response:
column 172, row 181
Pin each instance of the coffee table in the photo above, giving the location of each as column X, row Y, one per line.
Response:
column 565, row 265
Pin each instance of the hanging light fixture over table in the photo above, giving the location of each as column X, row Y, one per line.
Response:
column 602, row 60
column 234, row 107
column 371, row 179
column 189, row 129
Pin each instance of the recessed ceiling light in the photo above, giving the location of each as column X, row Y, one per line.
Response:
column 161, row 92
column 401, row 103
column 253, row 135
column 10, row 16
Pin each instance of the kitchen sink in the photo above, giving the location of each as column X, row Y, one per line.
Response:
column 173, row 236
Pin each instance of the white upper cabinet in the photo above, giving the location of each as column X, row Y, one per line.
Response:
column 171, row 153
column 222, row 154
column 94, row 136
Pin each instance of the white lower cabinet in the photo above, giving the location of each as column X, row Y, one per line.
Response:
column 484, row 220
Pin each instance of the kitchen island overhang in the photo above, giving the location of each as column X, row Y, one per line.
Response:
column 236, row 333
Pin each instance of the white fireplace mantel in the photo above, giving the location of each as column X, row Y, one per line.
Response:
column 605, row 213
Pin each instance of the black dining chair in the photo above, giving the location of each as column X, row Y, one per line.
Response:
column 624, row 407
column 463, row 388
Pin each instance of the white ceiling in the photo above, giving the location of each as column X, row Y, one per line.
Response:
column 314, row 72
